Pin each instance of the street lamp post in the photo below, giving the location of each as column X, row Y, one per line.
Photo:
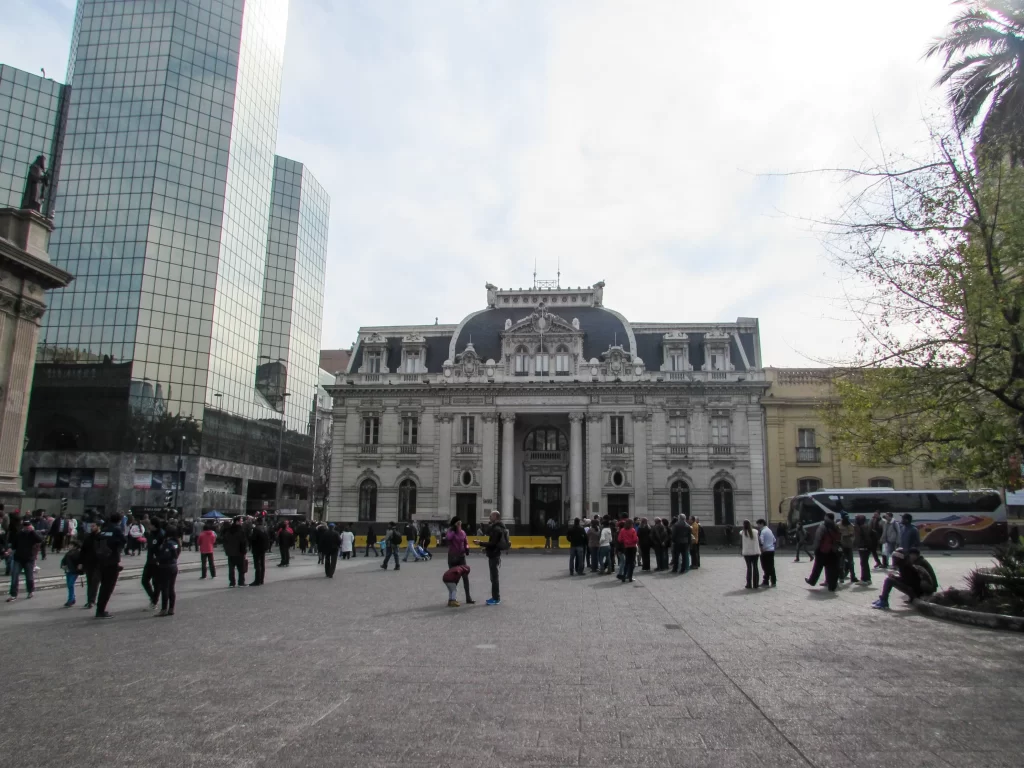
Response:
column 280, row 446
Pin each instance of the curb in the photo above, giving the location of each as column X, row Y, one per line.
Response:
column 975, row 618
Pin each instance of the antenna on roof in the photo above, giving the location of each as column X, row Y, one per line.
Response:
column 534, row 271
column 559, row 270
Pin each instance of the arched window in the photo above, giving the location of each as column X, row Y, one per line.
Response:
column 367, row 501
column 521, row 360
column 542, row 363
column 406, row 500
column 680, row 499
column 562, row 361
column 546, row 439
column 808, row 485
column 723, row 504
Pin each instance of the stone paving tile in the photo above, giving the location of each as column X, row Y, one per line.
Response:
column 371, row 669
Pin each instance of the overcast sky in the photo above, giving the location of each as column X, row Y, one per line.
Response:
column 630, row 142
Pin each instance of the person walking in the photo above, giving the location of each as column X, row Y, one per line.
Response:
column 57, row 534
column 71, row 564
column 801, row 542
column 318, row 534
column 862, row 538
column 826, row 553
column 604, row 547
column 206, row 541
column 645, row 537
column 890, row 538
column 136, row 538
column 259, row 545
column 424, row 536
column 695, row 541
column 371, row 542
column 629, row 539
column 458, row 549
column 197, row 528
column 25, row 545
column 166, row 560
column 394, row 540
column 551, row 538
column 410, row 543
column 285, row 542
column 153, row 537
column 302, row 533
column 767, row 541
column 497, row 542
column 236, row 546
column 577, row 539
column 90, row 567
column 348, row 542
column 109, row 546
column 751, row 551
column 876, row 526
column 681, row 539
column 330, row 544
column 846, row 546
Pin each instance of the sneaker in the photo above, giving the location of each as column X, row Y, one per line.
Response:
column 88, row 606
column 11, row 599
column 162, row 613
column 69, row 603
column 454, row 604
column 152, row 606
column 492, row 601
column 28, row 596
column 37, row 569
column 470, row 602
column 880, row 604
column 170, row 613
column 105, row 615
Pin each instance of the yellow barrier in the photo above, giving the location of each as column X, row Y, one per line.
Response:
column 518, row 542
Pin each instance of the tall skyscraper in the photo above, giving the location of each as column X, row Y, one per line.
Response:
column 166, row 213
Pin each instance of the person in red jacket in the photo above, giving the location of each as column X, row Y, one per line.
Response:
column 206, row 541
column 628, row 539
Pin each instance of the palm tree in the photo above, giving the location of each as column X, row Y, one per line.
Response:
column 984, row 65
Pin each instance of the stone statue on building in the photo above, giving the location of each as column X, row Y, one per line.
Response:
column 35, row 185
column 492, row 295
column 598, row 293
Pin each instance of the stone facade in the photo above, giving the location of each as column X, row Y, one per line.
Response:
column 548, row 404
column 800, row 456
column 25, row 275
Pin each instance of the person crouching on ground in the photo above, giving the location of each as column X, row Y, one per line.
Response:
column 451, row 580
column 915, row 578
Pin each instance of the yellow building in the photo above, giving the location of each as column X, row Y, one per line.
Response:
column 798, row 453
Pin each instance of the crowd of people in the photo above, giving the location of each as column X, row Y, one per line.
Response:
column 601, row 545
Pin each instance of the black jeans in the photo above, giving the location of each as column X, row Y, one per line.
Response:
column 235, row 564
column 627, row 573
column 661, row 557
column 829, row 562
column 847, row 565
column 369, row 546
column 148, row 580
column 330, row 563
column 92, row 584
column 752, row 574
column 259, row 567
column 768, row 567
column 285, row 555
column 391, row 551
column 865, row 565
column 207, row 557
column 645, row 557
column 108, row 578
column 680, row 562
column 576, row 556
column 908, row 588
column 695, row 555
column 166, row 576
column 493, row 564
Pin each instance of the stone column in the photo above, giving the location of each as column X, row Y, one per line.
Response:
column 595, row 477
column 489, row 482
column 508, row 422
column 640, row 463
column 575, row 465
column 25, row 275
column 444, row 465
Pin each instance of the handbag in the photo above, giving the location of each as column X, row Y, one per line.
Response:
column 245, row 565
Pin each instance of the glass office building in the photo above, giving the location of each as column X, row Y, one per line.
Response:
column 165, row 214
column 31, row 124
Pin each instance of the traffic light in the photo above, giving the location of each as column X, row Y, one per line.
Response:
column 63, row 504
column 169, row 499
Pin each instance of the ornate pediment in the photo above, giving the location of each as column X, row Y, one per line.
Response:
column 541, row 321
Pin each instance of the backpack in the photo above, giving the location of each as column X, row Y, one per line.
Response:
column 104, row 553
column 829, row 539
column 396, row 537
column 166, row 552
column 505, row 542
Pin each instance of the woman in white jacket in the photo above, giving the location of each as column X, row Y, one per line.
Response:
column 604, row 549
column 751, row 550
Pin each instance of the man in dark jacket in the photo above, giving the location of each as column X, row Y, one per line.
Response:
column 660, row 540
column 682, row 535
column 915, row 578
column 577, row 547
column 90, row 567
column 285, row 542
column 330, row 543
column 154, row 538
column 25, row 544
column 645, row 537
column 496, row 543
column 424, row 537
column 259, row 541
column 410, row 542
column 109, row 545
column 393, row 538
column 371, row 541
column 235, row 547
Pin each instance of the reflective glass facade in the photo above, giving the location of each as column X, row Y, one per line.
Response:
column 164, row 213
column 30, row 125
column 293, row 290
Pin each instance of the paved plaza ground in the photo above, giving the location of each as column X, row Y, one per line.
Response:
column 371, row 669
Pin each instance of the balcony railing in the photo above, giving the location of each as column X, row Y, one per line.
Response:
column 467, row 448
column 617, row 448
column 719, row 375
column 721, row 450
column 808, row 455
column 679, row 450
column 408, row 448
column 371, row 377
column 365, row 448
column 551, row 456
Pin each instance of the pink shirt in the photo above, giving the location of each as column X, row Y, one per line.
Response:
column 457, row 543
column 206, row 540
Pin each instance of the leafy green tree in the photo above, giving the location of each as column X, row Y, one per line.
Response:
column 940, row 375
column 983, row 56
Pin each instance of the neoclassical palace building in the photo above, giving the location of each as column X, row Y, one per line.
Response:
column 548, row 404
